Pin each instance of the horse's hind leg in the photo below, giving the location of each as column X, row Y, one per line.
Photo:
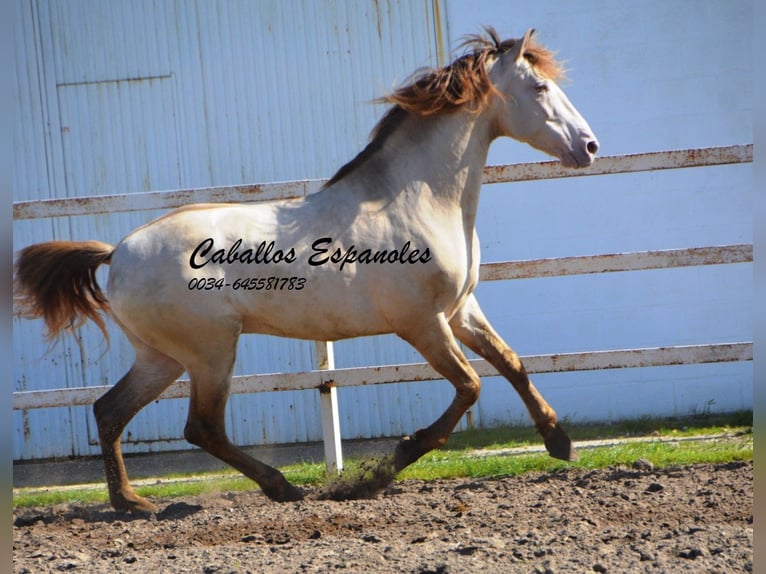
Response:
column 472, row 328
column 206, row 428
column 151, row 373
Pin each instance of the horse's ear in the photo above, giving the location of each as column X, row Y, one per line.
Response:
column 521, row 47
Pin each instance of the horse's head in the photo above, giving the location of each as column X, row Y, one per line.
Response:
column 533, row 108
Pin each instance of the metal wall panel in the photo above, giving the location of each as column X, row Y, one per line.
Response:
column 121, row 97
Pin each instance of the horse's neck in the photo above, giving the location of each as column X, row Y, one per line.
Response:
column 447, row 153
column 443, row 156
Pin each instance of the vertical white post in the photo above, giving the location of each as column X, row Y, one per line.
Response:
column 328, row 397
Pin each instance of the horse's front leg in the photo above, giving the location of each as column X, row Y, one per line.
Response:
column 472, row 328
column 438, row 346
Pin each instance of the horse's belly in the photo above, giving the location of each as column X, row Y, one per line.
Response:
column 316, row 320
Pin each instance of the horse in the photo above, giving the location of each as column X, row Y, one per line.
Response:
column 387, row 245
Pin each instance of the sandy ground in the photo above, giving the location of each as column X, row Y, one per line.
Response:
column 689, row 519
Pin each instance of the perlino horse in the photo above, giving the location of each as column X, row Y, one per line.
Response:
column 387, row 246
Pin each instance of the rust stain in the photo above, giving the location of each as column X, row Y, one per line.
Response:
column 440, row 52
column 326, row 386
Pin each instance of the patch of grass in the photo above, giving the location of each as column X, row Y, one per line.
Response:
column 39, row 497
column 456, row 459
column 446, row 464
column 229, row 480
column 695, row 424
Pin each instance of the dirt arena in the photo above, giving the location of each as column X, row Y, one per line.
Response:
column 690, row 519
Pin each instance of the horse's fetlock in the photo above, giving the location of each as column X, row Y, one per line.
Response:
column 546, row 428
column 469, row 392
column 418, row 434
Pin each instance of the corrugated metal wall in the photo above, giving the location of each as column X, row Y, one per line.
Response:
column 119, row 97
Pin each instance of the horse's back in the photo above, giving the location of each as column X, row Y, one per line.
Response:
column 245, row 265
column 272, row 268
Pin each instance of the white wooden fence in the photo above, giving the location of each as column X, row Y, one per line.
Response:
column 327, row 378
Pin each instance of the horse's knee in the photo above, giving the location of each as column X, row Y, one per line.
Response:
column 201, row 433
column 469, row 392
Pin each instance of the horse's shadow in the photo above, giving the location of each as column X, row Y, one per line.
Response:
column 105, row 514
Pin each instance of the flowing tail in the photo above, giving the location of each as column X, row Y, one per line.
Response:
column 56, row 280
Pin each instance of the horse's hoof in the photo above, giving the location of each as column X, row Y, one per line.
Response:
column 135, row 505
column 408, row 450
column 293, row 494
column 283, row 493
column 559, row 445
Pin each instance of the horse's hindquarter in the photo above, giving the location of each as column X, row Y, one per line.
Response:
column 301, row 269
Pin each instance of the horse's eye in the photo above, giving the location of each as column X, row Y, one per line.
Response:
column 541, row 88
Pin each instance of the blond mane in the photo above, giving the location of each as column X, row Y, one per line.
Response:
column 464, row 83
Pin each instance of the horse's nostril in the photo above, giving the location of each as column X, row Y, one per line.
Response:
column 592, row 147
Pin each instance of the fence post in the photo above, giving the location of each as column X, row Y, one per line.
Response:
column 328, row 398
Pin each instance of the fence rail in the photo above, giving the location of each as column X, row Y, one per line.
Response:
column 614, row 262
column 327, row 379
column 607, row 165
column 408, row 372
